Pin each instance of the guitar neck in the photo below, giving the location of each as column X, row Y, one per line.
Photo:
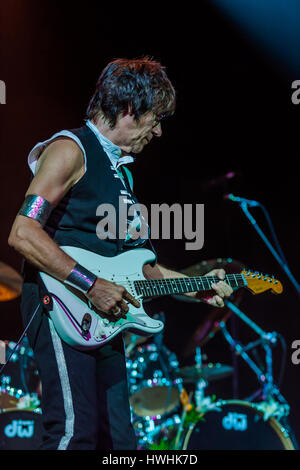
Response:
column 182, row 285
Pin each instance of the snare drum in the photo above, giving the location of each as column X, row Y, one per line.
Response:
column 238, row 426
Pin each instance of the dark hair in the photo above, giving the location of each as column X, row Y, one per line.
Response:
column 141, row 83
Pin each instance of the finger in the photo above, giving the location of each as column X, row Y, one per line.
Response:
column 131, row 299
column 223, row 289
column 216, row 301
column 123, row 306
column 221, row 273
column 115, row 311
column 218, row 288
column 118, row 312
column 110, row 303
column 227, row 290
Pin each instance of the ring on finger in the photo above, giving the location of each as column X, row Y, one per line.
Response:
column 116, row 310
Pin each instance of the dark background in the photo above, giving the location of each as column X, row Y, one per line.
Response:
column 234, row 113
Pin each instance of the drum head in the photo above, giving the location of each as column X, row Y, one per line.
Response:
column 20, row 430
column 154, row 401
column 9, row 398
column 153, row 392
column 238, row 426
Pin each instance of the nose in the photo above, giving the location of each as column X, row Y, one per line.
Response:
column 157, row 130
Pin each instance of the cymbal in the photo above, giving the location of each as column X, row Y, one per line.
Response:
column 10, row 283
column 209, row 372
column 200, row 269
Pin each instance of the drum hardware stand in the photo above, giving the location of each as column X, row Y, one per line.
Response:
column 280, row 258
column 24, row 365
column 201, row 384
column 20, row 339
column 181, row 423
column 131, row 345
column 152, row 426
column 269, row 391
column 158, row 340
column 202, row 402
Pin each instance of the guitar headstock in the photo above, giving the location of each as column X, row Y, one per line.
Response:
column 259, row 283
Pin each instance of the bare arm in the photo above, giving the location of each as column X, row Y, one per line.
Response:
column 58, row 169
column 60, row 166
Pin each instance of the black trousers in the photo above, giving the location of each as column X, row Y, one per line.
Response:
column 85, row 404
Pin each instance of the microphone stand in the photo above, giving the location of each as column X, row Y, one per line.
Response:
column 271, row 402
column 267, row 340
column 244, row 206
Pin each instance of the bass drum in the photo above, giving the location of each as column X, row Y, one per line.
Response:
column 238, row 426
column 20, row 429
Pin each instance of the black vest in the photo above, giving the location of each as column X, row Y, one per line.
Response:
column 74, row 221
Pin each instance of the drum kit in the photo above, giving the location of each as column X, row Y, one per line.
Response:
column 20, row 386
column 170, row 407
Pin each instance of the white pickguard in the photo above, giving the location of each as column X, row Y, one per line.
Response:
column 69, row 305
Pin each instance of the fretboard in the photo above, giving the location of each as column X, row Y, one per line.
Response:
column 158, row 287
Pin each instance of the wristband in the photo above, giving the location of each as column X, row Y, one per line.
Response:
column 37, row 208
column 81, row 278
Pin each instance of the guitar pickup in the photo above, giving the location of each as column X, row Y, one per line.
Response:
column 86, row 324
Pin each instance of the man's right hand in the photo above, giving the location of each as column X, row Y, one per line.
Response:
column 110, row 298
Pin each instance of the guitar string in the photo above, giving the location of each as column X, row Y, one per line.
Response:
column 189, row 284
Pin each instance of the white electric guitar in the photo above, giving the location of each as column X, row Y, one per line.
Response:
column 82, row 326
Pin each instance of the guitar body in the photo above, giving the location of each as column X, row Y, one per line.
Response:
column 74, row 317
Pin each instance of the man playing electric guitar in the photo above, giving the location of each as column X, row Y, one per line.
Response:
column 85, row 398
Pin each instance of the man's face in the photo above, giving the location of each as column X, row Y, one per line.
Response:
column 134, row 135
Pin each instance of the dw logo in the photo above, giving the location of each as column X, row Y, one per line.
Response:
column 19, row 428
column 235, row 421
